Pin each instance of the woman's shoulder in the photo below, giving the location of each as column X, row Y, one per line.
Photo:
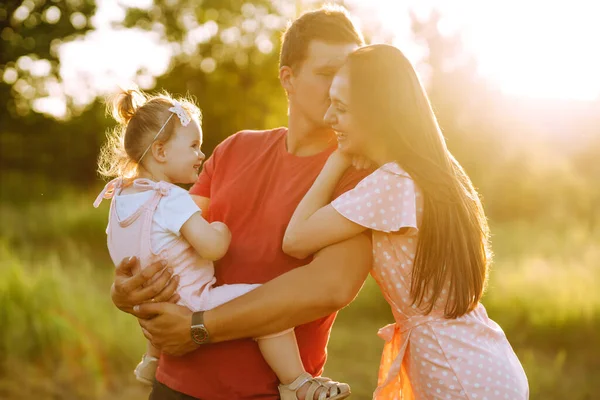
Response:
column 390, row 176
column 387, row 201
column 393, row 168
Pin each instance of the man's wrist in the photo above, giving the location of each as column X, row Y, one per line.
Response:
column 199, row 332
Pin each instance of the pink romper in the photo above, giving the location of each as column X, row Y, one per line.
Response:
column 131, row 237
column 425, row 356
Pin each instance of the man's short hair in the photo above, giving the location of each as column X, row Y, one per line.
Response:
column 330, row 23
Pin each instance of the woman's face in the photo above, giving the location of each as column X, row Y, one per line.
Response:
column 341, row 116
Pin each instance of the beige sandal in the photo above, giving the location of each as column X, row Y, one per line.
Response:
column 146, row 369
column 330, row 390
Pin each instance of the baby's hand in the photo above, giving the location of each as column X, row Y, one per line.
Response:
column 221, row 228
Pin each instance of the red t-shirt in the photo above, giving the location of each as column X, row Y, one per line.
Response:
column 254, row 186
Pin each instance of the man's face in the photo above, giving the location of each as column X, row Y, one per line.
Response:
column 312, row 78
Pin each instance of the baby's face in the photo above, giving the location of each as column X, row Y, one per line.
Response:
column 183, row 154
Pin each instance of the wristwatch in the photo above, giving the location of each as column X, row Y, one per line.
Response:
column 199, row 332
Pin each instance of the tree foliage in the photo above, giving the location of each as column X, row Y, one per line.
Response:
column 226, row 56
column 30, row 33
column 529, row 159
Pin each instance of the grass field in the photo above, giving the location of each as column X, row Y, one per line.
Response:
column 61, row 338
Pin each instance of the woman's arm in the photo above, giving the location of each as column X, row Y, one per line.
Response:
column 315, row 224
column 211, row 241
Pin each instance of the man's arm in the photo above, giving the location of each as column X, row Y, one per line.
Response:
column 330, row 282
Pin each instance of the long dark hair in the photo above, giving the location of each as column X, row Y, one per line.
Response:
column 453, row 244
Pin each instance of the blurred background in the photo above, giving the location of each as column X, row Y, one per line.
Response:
column 515, row 85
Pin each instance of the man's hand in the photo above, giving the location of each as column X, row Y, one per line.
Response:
column 132, row 286
column 167, row 326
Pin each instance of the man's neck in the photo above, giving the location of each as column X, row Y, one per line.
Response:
column 304, row 140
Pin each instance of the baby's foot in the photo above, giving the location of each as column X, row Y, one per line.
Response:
column 305, row 387
column 146, row 369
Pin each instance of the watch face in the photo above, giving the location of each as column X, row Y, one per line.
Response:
column 199, row 334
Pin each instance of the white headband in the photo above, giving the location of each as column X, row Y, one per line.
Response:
column 184, row 118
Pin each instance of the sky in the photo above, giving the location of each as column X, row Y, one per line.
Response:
column 107, row 57
column 532, row 48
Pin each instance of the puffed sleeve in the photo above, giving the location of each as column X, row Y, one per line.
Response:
column 387, row 201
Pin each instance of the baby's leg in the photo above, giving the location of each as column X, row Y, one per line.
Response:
column 280, row 350
column 152, row 351
column 282, row 354
column 146, row 369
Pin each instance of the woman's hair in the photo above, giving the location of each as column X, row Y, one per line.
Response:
column 453, row 245
column 139, row 118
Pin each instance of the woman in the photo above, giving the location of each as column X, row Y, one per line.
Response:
column 430, row 235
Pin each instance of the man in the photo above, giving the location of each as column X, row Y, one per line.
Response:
column 253, row 183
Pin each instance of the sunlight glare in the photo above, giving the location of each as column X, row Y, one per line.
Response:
column 533, row 48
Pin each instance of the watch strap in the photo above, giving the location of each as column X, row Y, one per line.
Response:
column 198, row 318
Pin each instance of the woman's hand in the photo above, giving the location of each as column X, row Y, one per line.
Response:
column 132, row 286
column 361, row 163
column 341, row 160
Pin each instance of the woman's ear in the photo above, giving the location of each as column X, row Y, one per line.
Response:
column 286, row 77
column 159, row 151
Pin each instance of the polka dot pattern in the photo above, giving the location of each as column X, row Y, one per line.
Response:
column 425, row 357
column 384, row 201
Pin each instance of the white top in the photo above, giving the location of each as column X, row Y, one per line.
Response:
column 171, row 213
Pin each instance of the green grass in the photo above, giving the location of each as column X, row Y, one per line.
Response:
column 62, row 329
column 61, row 338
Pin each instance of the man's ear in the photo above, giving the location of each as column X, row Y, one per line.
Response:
column 159, row 151
column 286, row 77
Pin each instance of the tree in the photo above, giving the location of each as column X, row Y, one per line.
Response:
column 463, row 102
column 225, row 56
column 30, row 33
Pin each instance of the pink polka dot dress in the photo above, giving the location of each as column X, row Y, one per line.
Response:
column 425, row 356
